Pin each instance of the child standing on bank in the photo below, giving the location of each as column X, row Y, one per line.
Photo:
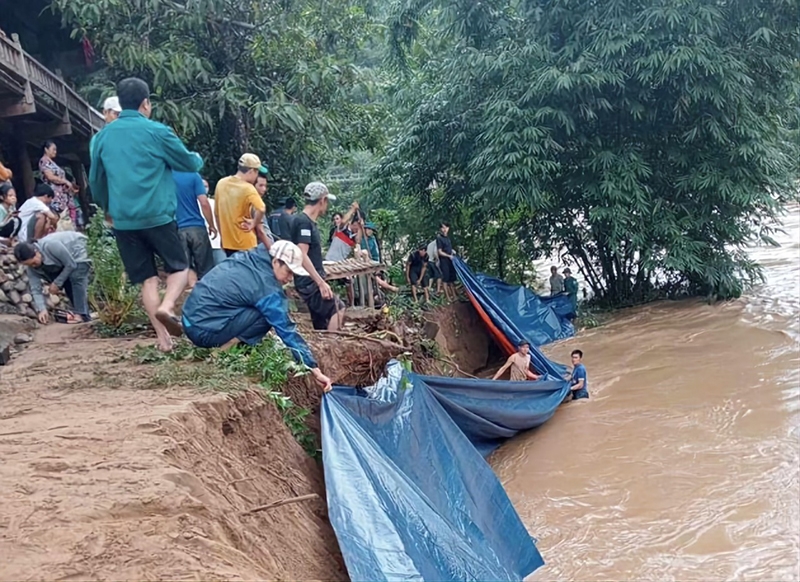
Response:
column 579, row 381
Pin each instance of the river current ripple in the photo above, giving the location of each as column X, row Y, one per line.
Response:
column 685, row 463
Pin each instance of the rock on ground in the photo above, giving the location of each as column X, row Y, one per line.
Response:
column 23, row 338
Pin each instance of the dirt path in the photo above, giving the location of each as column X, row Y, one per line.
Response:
column 106, row 477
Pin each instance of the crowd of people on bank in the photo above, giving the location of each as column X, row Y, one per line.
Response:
column 234, row 256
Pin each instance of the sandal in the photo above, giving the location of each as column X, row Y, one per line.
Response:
column 68, row 317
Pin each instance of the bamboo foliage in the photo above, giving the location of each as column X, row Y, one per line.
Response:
column 650, row 142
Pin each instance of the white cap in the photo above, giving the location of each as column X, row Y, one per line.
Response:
column 112, row 104
column 289, row 253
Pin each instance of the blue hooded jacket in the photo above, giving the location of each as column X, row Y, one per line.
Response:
column 245, row 281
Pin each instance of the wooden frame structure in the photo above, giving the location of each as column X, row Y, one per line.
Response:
column 362, row 271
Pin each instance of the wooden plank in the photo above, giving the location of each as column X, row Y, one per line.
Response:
column 370, row 296
column 22, row 68
column 362, row 291
column 11, row 56
column 362, row 273
column 24, row 162
column 351, row 268
column 11, row 85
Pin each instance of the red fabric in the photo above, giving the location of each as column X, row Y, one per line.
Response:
column 501, row 339
column 342, row 236
column 498, row 335
column 88, row 51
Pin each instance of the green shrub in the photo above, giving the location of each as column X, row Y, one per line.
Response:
column 110, row 294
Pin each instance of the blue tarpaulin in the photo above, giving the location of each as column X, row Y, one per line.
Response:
column 490, row 412
column 410, row 495
column 518, row 311
column 514, row 315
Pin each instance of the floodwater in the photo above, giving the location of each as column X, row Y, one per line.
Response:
column 685, row 462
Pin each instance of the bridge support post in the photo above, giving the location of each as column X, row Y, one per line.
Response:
column 25, row 166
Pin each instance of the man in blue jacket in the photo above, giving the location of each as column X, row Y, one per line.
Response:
column 131, row 180
column 242, row 298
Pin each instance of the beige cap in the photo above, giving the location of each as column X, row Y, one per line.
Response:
column 289, row 253
column 252, row 162
column 112, row 104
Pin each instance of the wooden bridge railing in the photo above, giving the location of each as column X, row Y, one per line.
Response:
column 30, row 74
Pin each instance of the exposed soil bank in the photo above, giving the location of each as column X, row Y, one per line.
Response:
column 462, row 335
column 105, row 479
column 108, row 476
column 350, row 361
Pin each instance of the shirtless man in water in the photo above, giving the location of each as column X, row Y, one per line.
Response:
column 520, row 364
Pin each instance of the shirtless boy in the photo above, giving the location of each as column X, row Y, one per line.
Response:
column 520, row 365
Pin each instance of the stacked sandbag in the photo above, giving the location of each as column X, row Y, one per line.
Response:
column 15, row 293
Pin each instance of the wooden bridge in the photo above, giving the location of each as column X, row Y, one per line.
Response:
column 31, row 94
column 36, row 104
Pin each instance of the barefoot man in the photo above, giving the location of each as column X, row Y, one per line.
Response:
column 131, row 180
column 241, row 299
column 520, row 364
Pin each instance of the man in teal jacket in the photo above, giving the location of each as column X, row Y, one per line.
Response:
column 131, row 180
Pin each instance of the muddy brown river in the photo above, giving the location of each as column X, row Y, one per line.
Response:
column 685, row 462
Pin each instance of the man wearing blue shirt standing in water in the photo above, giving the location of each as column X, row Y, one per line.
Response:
column 579, row 381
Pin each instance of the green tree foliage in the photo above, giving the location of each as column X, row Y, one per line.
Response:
column 275, row 78
column 649, row 141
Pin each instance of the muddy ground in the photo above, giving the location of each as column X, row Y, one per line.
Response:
column 107, row 473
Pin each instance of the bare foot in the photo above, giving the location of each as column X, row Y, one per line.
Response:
column 165, row 345
column 230, row 344
column 171, row 322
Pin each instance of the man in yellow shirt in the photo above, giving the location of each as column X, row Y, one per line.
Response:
column 238, row 209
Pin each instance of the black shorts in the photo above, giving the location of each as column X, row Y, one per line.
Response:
column 197, row 247
column 416, row 275
column 433, row 271
column 139, row 248
column 448, row 270
column 11, row 228
column 321, row 310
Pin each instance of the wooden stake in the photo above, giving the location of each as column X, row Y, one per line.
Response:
column 280, row 502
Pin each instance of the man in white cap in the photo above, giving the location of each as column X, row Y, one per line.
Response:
column 111, row 109
column 242, row 298
column 327, row 310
